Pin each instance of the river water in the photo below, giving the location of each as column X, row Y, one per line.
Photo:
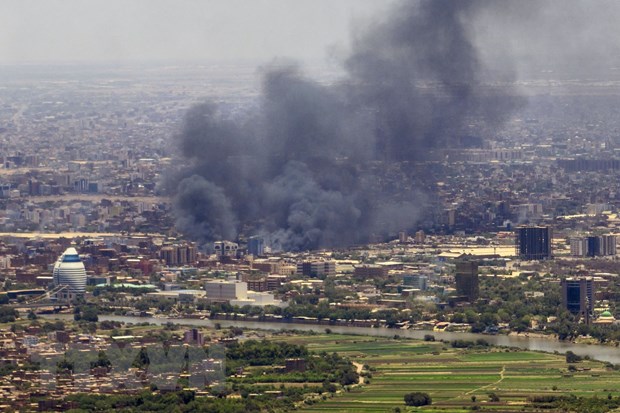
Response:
column 549, row 345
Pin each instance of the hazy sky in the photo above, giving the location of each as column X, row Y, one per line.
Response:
column 96, row 30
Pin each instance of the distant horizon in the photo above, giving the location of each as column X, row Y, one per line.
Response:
column 152, row 30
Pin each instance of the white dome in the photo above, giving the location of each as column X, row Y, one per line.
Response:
column 69, row 270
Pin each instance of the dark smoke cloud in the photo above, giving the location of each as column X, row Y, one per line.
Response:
column 308, row 169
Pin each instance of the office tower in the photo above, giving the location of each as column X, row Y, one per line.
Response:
column 467, row 280
column 420, row 236
column 579, row 247
column 604, row 245
column 256, row 246
column 578, row 295
column 594, row 246
column 403, row 237
column 607, row 244
column 601, row 246
column 69, row 271
column 169, row 255
column 533, row 243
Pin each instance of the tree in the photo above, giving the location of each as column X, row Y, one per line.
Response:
column 102, row 361
column 142, row 359
column 572, row 357
column 64, row 365
column 417, row 399
column 8, row 314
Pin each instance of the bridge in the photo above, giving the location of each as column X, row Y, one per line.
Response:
column 47, row 299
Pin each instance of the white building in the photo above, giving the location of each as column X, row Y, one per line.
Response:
column 226, row 290
column 259, row 299
column 69, row 270
column 236, row 293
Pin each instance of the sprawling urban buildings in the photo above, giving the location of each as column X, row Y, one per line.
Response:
column 513, row 233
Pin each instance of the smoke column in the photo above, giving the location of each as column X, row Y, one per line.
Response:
column 307, row 169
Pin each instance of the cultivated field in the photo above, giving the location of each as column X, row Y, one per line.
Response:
column 452, row 376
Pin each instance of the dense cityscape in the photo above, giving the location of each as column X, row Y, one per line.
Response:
column 276, row 249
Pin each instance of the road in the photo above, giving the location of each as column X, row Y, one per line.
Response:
column 358, row 368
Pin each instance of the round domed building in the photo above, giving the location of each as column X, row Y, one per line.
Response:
column 605, row 318
column 69, row 270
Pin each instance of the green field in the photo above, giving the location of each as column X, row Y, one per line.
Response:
column 453, row 376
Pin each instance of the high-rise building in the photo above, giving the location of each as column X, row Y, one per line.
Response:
column 403, row 237
column 69, row 271
column 256, row 246
column 169, row 255
column 467, row 280
column 601, row 246
column 607, row 244
column 533, row 243
column 594, row 246
column 578, row 295
column 579, row 247
column 420, row 236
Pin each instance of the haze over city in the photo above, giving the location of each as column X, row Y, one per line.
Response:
column 309, row 205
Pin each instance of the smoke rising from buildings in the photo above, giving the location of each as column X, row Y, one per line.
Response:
column 303, row 170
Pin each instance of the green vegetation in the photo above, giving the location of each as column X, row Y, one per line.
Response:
column 257, row 380
column 458, row 379
column 182, row 401
column 265, row 361
column 417, row 398
column 8, row 314
column 88, row 313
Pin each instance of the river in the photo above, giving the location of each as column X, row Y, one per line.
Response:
column 549, row 345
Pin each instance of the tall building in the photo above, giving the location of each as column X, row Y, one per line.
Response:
column 420, row 236
column 256, row 246
column 169, row 255
column 607, row 244
column 579, row 247
column 533, row 243
column 601, row 246
column 467, row 280
column 69, row 271
column 578, row 295
column 403, row 237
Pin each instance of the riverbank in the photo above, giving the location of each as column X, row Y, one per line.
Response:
column 594, row 351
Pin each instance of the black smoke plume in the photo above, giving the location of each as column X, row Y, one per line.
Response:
column 309, row 168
